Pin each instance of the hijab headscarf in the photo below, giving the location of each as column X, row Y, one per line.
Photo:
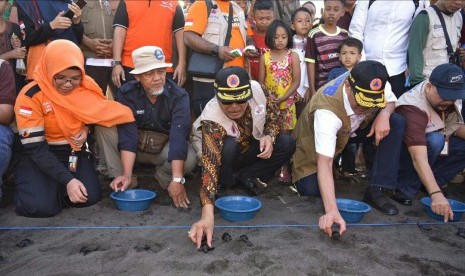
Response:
column 86, row 103
column 44, row 12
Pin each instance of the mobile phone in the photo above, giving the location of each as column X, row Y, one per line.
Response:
column 80, row 3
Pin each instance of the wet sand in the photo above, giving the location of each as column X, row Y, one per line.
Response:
column 284, row 240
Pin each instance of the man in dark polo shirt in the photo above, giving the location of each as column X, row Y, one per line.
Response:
column 434, row 136
column 159, row 106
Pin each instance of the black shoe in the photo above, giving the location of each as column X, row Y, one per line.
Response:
column 250, row 186
column 401, row 198
column 220, row 191
column 376, row 198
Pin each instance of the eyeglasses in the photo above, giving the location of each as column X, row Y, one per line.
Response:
column 61, row 80
column 230, row 103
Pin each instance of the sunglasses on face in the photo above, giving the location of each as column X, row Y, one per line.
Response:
column 230, row 103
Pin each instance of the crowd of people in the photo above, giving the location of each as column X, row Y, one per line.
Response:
column 247, row 90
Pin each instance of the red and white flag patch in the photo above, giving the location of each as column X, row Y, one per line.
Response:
column 25, row 110
column 189, row 22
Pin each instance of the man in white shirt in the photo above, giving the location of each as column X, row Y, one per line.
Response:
column 384, row 30
column 346, row 111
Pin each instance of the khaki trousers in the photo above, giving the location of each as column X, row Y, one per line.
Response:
column 107, row 140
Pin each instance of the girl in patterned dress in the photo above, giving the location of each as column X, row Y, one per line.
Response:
column 280, row 74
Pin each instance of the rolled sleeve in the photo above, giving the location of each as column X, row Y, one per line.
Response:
column 127, row 137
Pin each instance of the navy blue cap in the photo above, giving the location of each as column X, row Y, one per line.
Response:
column 449, row 81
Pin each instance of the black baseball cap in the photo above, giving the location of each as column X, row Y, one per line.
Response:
column 232, row 84
column 368, row 79
column 449, row 81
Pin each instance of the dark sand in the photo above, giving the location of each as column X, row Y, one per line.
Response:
column 163, row 249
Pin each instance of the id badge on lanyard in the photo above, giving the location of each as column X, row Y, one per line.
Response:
column 445, row 149
column 72, row 162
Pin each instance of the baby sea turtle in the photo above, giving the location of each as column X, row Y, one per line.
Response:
column 204, row 246
column 335, row 235
column 24, row 243
column 245, row 239
column 226, row 237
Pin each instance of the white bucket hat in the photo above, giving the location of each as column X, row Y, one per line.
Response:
column 147, row 58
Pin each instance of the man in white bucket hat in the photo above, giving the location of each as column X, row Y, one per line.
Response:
column 160, row 133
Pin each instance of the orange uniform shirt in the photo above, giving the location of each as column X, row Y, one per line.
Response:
column 196, row 21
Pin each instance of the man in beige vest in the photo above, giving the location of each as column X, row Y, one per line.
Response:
column 434, row 136
column 341, row 112
column 427, row 46
column 238, row 134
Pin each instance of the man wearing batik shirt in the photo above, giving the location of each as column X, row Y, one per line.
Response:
column 239, row 139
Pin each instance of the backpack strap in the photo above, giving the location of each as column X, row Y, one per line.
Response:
column 209, row 7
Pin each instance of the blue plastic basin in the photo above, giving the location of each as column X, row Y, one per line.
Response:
column 457, row 207
column 133, row 199
column 238, row 208
column 352, row 210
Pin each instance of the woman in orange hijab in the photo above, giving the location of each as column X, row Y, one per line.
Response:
column 52, row 112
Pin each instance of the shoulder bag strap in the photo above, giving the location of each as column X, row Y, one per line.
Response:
column 230, row 19
column 441, row 18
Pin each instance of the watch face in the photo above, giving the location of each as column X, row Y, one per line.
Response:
column 179, row 180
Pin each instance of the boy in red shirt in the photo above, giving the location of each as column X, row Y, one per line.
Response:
column 263, row 15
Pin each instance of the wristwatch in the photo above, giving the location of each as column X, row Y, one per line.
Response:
column 115, row 62
column 180, row 180
column 214, row 51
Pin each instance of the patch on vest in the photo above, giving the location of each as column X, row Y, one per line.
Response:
column 330, row 90
column 259, row 109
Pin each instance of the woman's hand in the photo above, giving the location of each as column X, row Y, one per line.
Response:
column 203, row 227
column 81, row 137
column 76, row 191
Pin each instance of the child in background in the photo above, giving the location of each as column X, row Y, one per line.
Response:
column 321, row 54
column 301, row 25
column 263, row 15
column 280, row 74
column 311, row 8
column 350, row 52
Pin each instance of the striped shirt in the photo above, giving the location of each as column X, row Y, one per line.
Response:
column 322, row 49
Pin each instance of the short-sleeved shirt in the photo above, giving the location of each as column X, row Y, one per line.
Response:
column 7, row 84
column 254, row 62
column 327, row 125
column 197, row 20
column 416, row 121
column 148, row 23
column 322, row 49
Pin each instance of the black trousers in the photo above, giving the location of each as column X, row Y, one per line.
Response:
column 202, row 93
column 237, row 166
column 38, row 195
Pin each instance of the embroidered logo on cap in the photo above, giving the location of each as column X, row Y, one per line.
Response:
column 159, row 54
column 233, row 81
column 456, row 78
column 376, row 84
